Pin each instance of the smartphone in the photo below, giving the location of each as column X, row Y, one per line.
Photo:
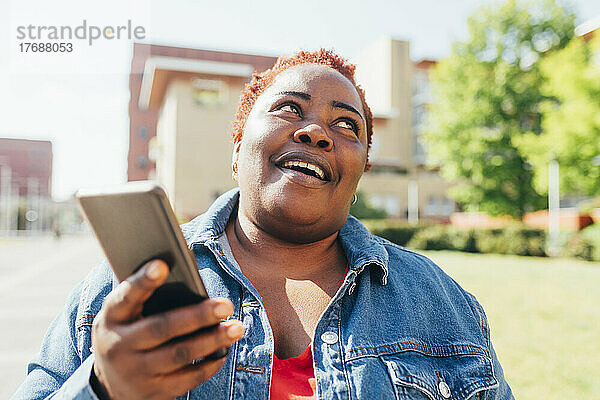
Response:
column 134, row 223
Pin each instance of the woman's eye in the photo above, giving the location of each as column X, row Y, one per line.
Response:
column 290, row 108
column 347, row 125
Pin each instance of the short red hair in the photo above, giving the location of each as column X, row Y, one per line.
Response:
column 261, row 81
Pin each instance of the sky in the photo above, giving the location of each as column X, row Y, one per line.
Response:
column 79, row 100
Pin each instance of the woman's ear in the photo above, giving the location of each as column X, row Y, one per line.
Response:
column 236, row 152
column 234, row 160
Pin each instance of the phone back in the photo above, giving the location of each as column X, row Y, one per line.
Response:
column 134, row 223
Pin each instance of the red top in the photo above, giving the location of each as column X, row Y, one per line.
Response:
column 294, row 378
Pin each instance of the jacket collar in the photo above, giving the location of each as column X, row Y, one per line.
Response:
column 212, row 223
column 361, row 247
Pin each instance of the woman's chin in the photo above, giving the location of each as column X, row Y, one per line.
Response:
column 302, row 212
column 301, row 234
column 293, row 216
column 302, row 224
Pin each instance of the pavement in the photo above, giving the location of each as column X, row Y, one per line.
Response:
column 36, row 276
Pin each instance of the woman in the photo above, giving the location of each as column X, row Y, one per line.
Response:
column 317, row 306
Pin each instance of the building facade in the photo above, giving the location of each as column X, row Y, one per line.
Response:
column 25, row 183
column 166, row 64
column 397, row 90
column 183, row 101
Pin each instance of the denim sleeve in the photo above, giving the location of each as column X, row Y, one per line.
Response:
column 57, row 371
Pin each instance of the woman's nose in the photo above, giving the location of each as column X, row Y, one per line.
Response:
column 314, row 135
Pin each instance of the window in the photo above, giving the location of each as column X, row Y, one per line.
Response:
column 439, row 205
column 387, row 202
column 421, row 83
column 420, row 156
column 418, row 116
column 143, row 132
column 206, row 92
column 142, row 161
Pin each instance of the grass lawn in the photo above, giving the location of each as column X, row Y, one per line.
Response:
column 544, row 316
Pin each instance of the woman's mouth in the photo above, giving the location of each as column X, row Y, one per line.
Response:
column 305, row 168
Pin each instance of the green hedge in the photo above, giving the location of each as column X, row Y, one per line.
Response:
column 517, row 239
column 396, row 231
column 444, row 237
column 585, row 244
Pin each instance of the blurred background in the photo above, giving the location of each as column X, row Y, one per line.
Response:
column 486, row 147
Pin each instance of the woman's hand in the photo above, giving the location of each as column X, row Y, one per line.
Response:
column 134, row 358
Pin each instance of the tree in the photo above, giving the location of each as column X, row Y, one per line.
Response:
column 487, row 93
column 571, row 120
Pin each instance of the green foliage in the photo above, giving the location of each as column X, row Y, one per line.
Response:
column 586, row 244
column 487, row 93
column 433, row 238
column 443, row 237
column 396, row 231
column 591, row 235
column 362, row 209
column 587, row 206
column 571, row 123
column 517, row 239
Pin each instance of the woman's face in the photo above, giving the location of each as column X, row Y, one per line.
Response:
column 303, row 150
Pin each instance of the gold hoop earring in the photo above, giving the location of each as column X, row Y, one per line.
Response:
column 234, row 172
column 354, row 199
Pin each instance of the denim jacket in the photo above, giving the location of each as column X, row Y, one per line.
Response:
column 397, row 328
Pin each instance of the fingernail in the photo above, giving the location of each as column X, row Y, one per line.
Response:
column 154, row 271
column 235, row 330
column 222, row 310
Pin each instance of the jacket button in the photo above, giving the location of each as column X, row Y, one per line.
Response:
column 444, row 389
column 329, row 337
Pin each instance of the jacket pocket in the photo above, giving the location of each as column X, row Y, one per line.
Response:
column 453, row 376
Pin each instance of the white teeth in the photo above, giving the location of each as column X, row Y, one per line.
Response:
column 301, row 164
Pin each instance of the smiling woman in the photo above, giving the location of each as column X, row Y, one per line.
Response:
column 319, row 307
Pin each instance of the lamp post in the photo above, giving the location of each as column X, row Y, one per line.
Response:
column 553, row 208
column 413, row 202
